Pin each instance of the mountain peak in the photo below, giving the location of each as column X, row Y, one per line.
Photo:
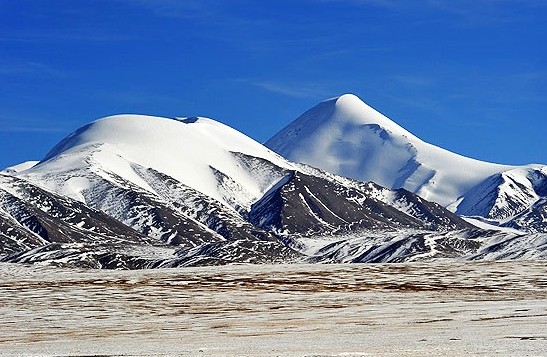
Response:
column 352, row 109
column 346, row 136
column 348, row 100
column 117, row 144
column 333, row 116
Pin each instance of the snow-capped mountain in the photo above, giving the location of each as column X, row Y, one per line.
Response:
column 197, row 152
column 345, row 136
column 134, row 191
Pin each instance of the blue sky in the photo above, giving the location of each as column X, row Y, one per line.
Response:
column 468, row 75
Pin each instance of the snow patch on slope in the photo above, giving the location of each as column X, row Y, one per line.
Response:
column 20, row 167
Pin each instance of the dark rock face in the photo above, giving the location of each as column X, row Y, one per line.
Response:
column 306, row 205
column 533, row 219
column 433, row 215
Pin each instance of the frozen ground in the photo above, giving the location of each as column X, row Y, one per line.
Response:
column 435, row 309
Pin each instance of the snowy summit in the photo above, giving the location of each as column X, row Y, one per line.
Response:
column 185, row 149
column 344, row 135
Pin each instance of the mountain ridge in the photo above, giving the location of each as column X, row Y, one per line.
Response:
column 134, row 191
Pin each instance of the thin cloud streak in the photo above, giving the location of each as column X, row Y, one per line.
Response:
column 293, row 90
column 23, row 129
column 187, row 9
column 29, row 68
column 462, row 13
column 55, row 37
column 414, row 81
column 388, row 4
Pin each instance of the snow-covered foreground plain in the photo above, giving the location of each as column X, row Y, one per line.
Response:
column 471, row 308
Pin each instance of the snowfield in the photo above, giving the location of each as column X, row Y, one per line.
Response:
column 434, row 309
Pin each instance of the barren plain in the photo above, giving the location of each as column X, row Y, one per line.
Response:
column 429, row 309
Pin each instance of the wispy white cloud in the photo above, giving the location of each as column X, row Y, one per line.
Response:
column 449, row 5
column 31, row 125
column 531, row 76
column 25, row 120
column 417, row 101
column 289, row 89
column 414, row 81
column 29, row 68
column 55, row 37
column 137, row 96
column 30, row 129
column 460, row 13
column 185, row 9
column 389, row 4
